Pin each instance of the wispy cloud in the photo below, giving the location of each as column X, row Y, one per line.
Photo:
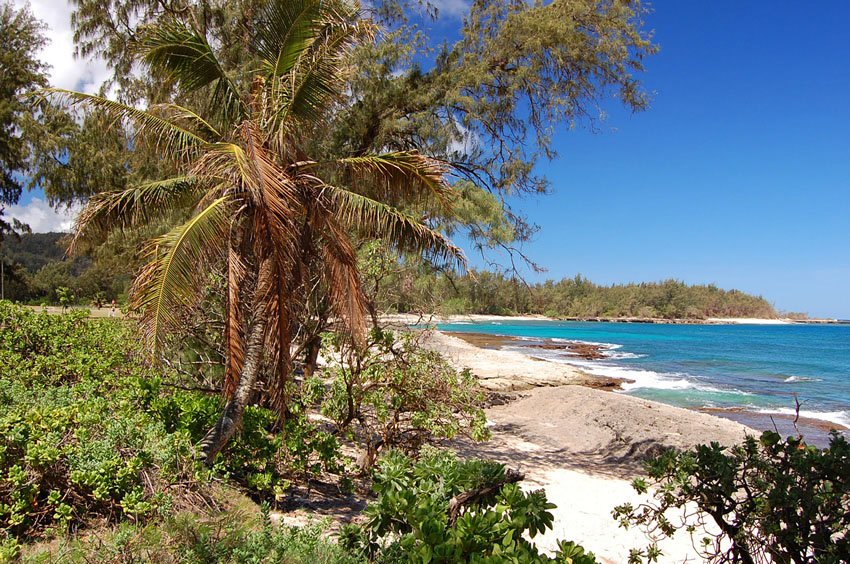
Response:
column 41, row 218
column 66, row 71
column 451, row 8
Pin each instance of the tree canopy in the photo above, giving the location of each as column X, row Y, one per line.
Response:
column 21, row 36
column 486, row 102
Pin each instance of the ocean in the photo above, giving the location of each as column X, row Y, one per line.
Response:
column 744, row 372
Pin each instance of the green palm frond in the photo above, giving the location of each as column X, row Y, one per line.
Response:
column 163, row 132
column 179, row 113
column 187, row 58
column 285, row 29
column 402, row 175
column 317, row 77
column 170, row 282
column 133, row 207
column 376, row 219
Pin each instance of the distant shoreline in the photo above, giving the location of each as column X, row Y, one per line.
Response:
column 417, row 318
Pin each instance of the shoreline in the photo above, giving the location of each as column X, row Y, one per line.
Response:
column 816, row 430
column 570, row 433
column 582, row 444
column 429, row 319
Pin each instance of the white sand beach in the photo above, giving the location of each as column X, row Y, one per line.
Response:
column 748, row 321
column 583, row 445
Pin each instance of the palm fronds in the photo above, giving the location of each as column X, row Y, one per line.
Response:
column 179, row 113
column 132, row 207
column 400, row 176
column 187, row 58
column 166, row 134
column 376, row 219
column 171, row 280
column 343, row 279
column 285, row 30
column 317, row 75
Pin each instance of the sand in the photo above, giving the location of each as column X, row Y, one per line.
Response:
column 748, row 321
column 499, row 370
column 583, row 445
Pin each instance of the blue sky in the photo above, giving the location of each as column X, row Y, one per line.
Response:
column 738, row 175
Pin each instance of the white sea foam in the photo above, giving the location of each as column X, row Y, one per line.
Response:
column 634, row 378
column 606, row 346
column 646, row 379
column 792, row 379
column 641, row 379
column 624, row 355
column 839, row 417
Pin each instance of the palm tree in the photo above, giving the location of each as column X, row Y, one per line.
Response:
column 278, row 220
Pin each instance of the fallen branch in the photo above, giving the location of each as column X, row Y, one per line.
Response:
column 461, row 500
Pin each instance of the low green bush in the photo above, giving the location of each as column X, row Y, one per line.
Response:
column 75, row 443
column 441, row 509
column 89, row 431
column 234, row 536
column 771, row 500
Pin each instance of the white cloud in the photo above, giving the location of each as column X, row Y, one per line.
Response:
column 41, row 217
column 66, row 71
column 451, row 8
column 467, row 143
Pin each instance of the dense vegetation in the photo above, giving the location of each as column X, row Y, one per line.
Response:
column 770, row 500
column 89, row 433
column 396, row 288
column 36, row 266
column 407, row 289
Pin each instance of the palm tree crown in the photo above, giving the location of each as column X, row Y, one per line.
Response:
column 278, row 217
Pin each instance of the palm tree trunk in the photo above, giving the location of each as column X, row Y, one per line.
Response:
column 231, row 418
column 311, row 357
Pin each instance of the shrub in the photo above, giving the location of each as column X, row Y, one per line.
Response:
column 398, row 394
column 441, row 509
column 87, row 430
column 772, row 500
column 233, row 536
column 73, row 442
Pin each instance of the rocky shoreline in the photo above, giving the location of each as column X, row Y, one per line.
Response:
column 817, row 431
column 586, row 351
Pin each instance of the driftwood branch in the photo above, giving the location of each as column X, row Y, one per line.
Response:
column 797, row 405
column 461, row 500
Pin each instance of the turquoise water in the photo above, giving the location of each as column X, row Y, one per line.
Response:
column 756, row 368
